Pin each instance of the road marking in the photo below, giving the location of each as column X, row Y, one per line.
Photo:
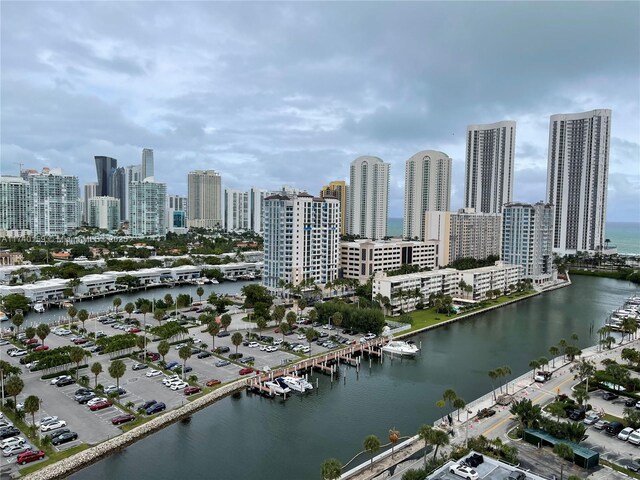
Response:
column 536, row 400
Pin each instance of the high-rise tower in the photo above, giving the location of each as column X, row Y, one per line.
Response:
column 105, row 170
column 147, row 163
column 205, row 199
column 368, row 197
column 577, row 177
column 489, row 166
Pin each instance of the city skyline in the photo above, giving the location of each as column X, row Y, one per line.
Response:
column 265, row 106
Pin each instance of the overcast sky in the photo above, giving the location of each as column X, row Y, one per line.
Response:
column 290, row 93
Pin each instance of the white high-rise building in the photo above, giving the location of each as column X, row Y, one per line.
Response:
column 133, row 173
column 147, row 208
column 427, row 187
column 236, row 210
column 527, row 232
column 15, row 207
column 147, row 164
column 256, row 199
column 577, row 178
column 205, row 199
column 301, row 239
column 90, row 191
column 489, row 166
column 368, row 197
column 55, row 202
column 104, row 213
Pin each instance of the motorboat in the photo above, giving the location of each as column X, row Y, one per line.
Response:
column 3, row 317
column 38, row 308
column 295, row 383
column 276, row 388
column 307, row 385
column 401, row 349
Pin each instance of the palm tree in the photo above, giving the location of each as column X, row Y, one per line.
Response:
column 144, row 308
column 31, row 406
column 163, row 349
column 158, row 315
column 72, row 312
column 116, row 370
column 278, row 314
column 302, row 304
column 129, row 308
column 458, row 404
column 528, row 414
column 331, row 469
column 554, row 352
column 313, row 315
column 534, row 364
column 438, row 438
column 17, row 320
column 30, row 332
column 43, row 331
column 310, row 334
column 185, row 354
column 116, row 303
column 424, row 432
column 629, row 326
column 13, row 387
column 213, row 328
column 236, row 339
column 261, row 323
column 225, row 321
column 96, row 369
column 76, row 355
column 543, row 361
column 291, row 318
column 83, row 315
column 394, row 435
column 371, row 445
column 200, row 292
column 336, row 318
column 493, row 375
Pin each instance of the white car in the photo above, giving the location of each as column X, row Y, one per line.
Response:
column 18, row 353
column 263, row 348
column 297, row 348
column 58, row 378
column 93, row 401
column 153, row 373
column 591, row 419
column 272, row 349
column 254, row 345
column 179, row 346
column 4, row 342
column 463, row 471
column 302, row 336
column 279, row 341
column 305, row 349
column 634, row 437
column 371, row 336
column 44, row 420
column 11, row 441
column 179, row 385
column 197, row 340
column 624, row 434
column 171, row 379
column 53, row 425
column 14, row 450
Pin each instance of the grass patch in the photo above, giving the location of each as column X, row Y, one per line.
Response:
column 53, row 457
column 612, row 418
column 618, row 468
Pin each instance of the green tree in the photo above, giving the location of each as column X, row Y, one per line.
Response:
column 96, row 369
column 77, row 355
column 168, row 300
column 554, row 352
column 30, row 332
column 459, row 403
column 72, row 312
column 116, row 303
column 291, row 318
column 313, row 315
column 163, row 349
column 145, row 308
column 43, row 331
column 302, row 304
column 563, row 450
column 129, row 308
column 200, row 292
column 424, row 432
column 236, row 339
column 116, row 370
column 158, row 315
column 83, row 315
column 185, row 354
column 213, row 328
column 225, row 321
column 278, row 314
column 31, row 407
column 493, row 375
column 336, row 319
column 17, row 320
column 261, row 323
column 534, row 365
column 528, row 414
column 372, row 445
column 13, row 387
column 15, row 301
column 331, row 469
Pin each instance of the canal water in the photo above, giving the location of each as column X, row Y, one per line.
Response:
column 249, row 437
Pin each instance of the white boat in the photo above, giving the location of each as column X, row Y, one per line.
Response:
column 294, row 383
column 214, row 281
column 307, row 385
column 3, row 317
column 401, row 349
column 38, row 308
column 276, row 388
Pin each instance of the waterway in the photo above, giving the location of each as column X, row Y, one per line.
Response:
column 249, row 437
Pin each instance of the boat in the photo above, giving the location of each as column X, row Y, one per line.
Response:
column 213, row 281
column 307, row 385
column 38, row 308
column 3, row 317
column 276, row 388
column 295, row 384
column 401, row 349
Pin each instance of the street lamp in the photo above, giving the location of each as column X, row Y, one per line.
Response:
column 466, row 433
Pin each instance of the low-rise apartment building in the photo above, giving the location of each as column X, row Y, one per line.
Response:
column 500, row 276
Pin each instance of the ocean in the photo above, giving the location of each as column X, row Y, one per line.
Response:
column 624, row 235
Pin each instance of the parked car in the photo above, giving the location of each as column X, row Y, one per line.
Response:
column 213, row 382
column 614, row 428
column 634, row 437
column 100, row 405
column 7, row 432
column 246, row 360
column 120, row 419
column 9, row 442
column 95, row 400
column 624, row 433
column 179, row 385
column 155, row 408
column 41, row 348
column 222, row 363
column 629, row 402
column 223, row 349
column 253, row 344
column 153, row 373
column 542, row 376
column 246, row 371
column 172, row 365
column 223, row 333
column 486, row 413
column 192, row 390
column 203, row 354
column 53, row 425
column 147, row 404
column 610, row 396
column 634, row 465
column 29, row 456
column 17, row 352
column 463, row 471
column 601, row 424
column 58, row 432
column 591, row 419
column 65, row 381
column 45, row 420
column 82, row 399
column 12, row 450
column 64, row 438
column 516, row 475
column 139, row 366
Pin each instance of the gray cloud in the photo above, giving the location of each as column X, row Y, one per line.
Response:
column 271, row 93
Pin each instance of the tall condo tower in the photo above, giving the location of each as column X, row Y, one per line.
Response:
column 147, row 163
column 105, row 170
column 338, row 189
column 489, row 166
column 147, row 208
column 577, row 177
column 368, row 197
column 204, row 194
column 427, row 187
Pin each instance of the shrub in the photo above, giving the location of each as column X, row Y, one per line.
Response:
column 563, row 450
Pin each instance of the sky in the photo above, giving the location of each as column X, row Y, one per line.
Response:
column 272, row 93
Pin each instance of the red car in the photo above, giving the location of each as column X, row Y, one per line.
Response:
column 246, row 371
column 29, row 456
column 133, row 330
column 100, row 406
column 31, row 340
column 79, row 341
column 120, row 419
column 213, row 383
column 191, row 390
column 41, row 348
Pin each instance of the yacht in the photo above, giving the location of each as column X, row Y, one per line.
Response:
column 401, row 349
column 276, row 388
column 38, row 308
column 307, row 385
column 295, row 383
